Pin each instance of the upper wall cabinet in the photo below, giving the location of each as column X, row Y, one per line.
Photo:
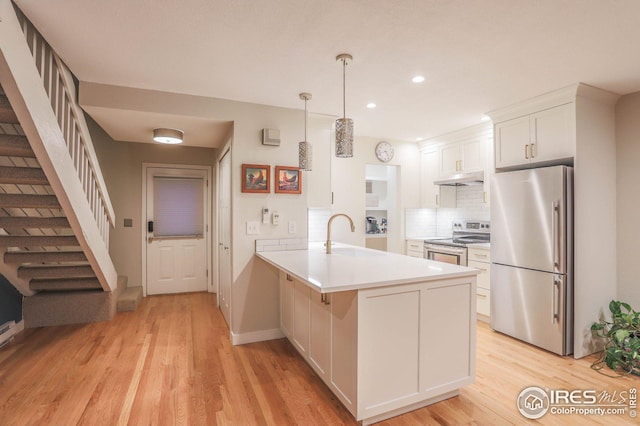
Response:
column 545, row 136
column 463, row 151
column 463, row 157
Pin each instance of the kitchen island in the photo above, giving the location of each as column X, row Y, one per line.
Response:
column 387, row 333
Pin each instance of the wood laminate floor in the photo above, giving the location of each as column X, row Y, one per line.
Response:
column 171, row 362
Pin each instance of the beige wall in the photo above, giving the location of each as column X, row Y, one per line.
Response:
column 628, row 192
column 348, row 185
column 254, row 292
column 121, row 164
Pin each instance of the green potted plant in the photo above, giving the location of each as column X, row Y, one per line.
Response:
column 621, row 337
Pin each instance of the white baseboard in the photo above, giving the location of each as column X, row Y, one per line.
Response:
column 256, row 336
column 20, row 326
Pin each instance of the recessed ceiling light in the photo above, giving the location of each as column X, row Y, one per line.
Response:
column 371, row 105
column 418, row 79
column 485, row 118
column 419, row 139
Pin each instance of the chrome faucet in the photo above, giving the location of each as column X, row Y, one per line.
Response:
column 353, row 229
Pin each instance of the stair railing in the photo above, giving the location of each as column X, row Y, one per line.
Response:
column 60, row 87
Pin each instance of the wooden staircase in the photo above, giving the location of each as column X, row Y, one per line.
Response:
column 55, row 210
column 34, row 233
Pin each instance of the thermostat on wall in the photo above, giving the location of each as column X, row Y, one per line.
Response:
column 271, row 137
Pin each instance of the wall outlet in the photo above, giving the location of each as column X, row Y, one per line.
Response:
column 253, row 227
column 275, row 218
column 292, row 227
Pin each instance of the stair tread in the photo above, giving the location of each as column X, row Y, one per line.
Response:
column 68, row 284
column 15, row 146
column 43, row 256
column 29, row 201
column 58, row 271
column 129, row 299
column 37, row 241
column 7, row 115
column 23, row 176
column 33, row 222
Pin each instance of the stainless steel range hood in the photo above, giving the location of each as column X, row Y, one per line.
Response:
column 462, row 179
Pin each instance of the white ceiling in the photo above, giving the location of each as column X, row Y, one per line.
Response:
column 476, row 55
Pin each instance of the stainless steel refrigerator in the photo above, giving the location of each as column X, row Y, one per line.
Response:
column 532, row 256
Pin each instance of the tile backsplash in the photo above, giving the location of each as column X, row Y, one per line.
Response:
column 317, row 219
column 427, row 222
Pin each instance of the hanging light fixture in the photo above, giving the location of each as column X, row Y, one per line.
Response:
column 168, row 136
column 344, row 125
column 305, row 153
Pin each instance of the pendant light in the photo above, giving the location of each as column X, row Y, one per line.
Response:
column 305, row 153
column 344, row 125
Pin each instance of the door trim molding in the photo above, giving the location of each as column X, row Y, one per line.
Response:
column 224, row 152
column 143, row 217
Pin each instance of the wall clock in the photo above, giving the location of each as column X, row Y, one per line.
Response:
column 384, row 151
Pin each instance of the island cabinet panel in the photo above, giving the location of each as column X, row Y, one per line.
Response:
column 301, row 309
column 286, row 304
column 388, row 346
column 344, row 348
column 446, row 339
column 320, row 333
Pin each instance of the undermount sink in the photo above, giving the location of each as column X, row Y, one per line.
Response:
column 353, row 252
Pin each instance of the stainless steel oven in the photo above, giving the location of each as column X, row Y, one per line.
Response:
column 454, row 249
column 447, row 254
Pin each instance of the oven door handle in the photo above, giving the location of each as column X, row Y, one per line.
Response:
column 446, row 249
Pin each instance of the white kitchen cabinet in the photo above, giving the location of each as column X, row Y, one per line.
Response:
column 415, row 248
column 301, row 317
column 462, row 157
column 429, row 171
column 434, row 196
column 545, row 136
column 480, row 258
column 376, row 348
column 320, row 333
column 286, row 304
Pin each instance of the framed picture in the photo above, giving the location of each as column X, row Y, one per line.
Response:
column 288, row 180
column 256, row 178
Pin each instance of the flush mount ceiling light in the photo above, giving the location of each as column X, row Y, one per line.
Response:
column 304, row 148
column 168, row 136
column 344, row 125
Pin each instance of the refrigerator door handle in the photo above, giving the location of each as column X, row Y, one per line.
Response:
column 556, row 300
column 555, row 224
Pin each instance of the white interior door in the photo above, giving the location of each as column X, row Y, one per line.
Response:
column 224, row 232
column 177, row 230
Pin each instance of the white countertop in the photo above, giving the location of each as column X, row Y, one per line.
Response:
column 354, row 268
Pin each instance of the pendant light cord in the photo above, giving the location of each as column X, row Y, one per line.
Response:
column 305, row 119
column 344, row 89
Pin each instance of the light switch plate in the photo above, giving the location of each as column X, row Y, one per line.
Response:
column 253, row 227
column 292, row 227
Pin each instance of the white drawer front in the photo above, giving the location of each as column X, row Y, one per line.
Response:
column 414, row 253
column 479, row 254
column 415, row 245
column 483, row 301
column 484, row 277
